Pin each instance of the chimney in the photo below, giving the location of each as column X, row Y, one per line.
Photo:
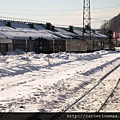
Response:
column 71, row 29
column 8, row 24
column 53, row 28
column 48, row 26
column 31, row 25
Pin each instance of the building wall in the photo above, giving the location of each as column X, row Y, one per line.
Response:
column 25, row 45
column 6, row 46
column 19, row 44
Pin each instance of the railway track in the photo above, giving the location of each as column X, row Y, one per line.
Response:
column 87, row 93
column 112, row 103
column 110, row 95
column 103, row 102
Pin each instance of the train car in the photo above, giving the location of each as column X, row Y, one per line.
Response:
column 93, row 44
column 75, row 45
column 43, row 46
column 96, row 44
column 49, row 46
column 108, row 45
column 59, row 45
column 71, row 45
column 89, row 44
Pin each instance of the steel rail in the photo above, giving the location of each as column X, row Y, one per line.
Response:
column 86, row 93
column 103, row 104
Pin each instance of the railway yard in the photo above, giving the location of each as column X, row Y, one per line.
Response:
column 57, row 67
column 60, row 82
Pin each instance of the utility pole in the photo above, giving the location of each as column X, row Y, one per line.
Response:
column 86, row 18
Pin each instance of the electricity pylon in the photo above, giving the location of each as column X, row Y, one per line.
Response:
column 86, row 18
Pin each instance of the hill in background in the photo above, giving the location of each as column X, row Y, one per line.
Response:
column 113, row 24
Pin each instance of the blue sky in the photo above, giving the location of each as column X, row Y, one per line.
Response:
column 60, row 12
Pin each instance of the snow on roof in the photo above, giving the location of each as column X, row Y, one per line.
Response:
column 59, row 34
column 6, row 28
column 100, row 35
column 93, row 34
column 2, row 23
column 39, row 33
column 76, row 31
column 65, row 32
column 2, row 35
column 15, row 34
column 19, row 25
column 62, row 35
column 39, row 27
column 79, row 31
column 25, row 33
column 21, row 30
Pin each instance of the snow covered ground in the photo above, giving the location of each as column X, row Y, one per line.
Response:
column 49, row 83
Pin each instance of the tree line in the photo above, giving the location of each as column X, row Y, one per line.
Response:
column 113, row 24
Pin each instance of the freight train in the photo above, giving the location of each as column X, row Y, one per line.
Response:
column 72, row 45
